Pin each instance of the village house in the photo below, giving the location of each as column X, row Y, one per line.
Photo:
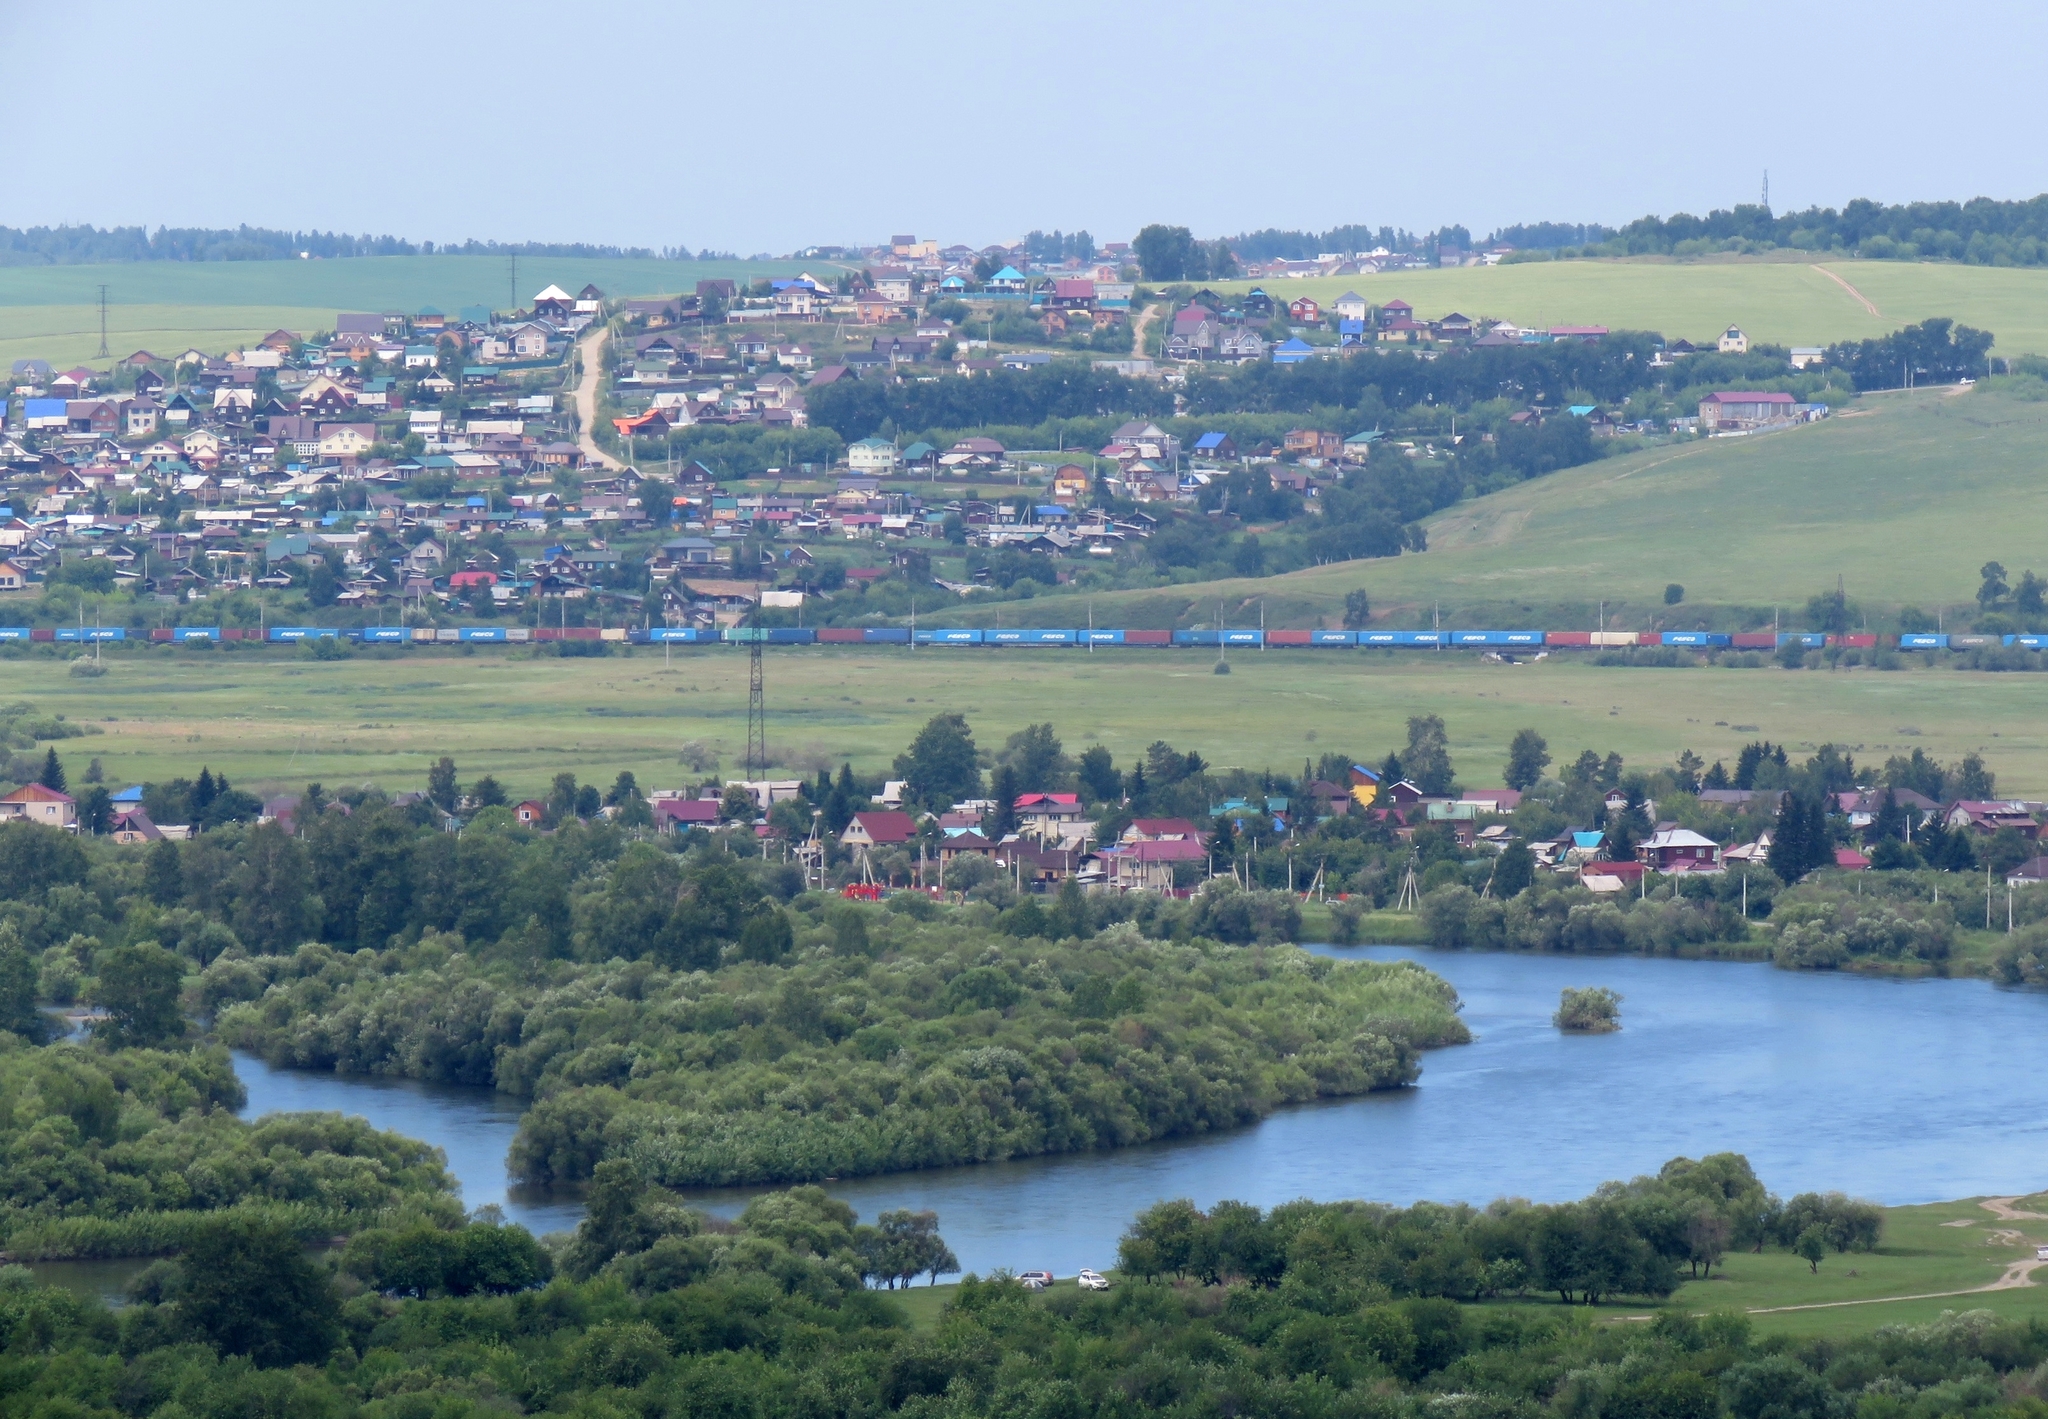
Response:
column 1988, row 817
column 35, row 804
column 1054, row 817
column 1679, row 850
column 1738, row 411
column 882, row 828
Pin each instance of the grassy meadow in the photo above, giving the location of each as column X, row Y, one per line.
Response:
column 1904, row 496
column 1783, row 301
column 52, row 312
column 274, row 722
column 1941, row 1247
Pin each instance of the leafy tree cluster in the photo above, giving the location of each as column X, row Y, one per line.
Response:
column 129, row 1152
column 1822, row 928
column 871, row 1042
column 1346, row 1310
column 1936, row 351
column 1168, row 253
column 1982, row 231
column 1628, row 1239
column 1554, row 914
column 1063, row 389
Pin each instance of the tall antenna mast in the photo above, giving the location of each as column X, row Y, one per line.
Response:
column 1767, row 189
column 512, row 281
column 104, row 352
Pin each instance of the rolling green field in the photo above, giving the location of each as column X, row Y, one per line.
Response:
column 1903, row 496
column 1785, row 302
column 52, row 312
column 1942, row 1247
column 281, row 722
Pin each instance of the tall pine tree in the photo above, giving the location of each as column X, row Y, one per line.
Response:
column 52, row 776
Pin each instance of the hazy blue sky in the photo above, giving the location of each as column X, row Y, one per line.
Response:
column 762, row 127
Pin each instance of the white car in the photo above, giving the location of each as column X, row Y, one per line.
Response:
column 1092, row 1280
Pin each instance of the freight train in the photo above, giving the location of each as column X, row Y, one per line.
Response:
column 1028, row 638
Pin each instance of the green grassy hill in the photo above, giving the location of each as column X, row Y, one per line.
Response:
column 1786, row 302
column 52, row 312
column 1903, row 496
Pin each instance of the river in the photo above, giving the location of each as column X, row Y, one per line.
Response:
column 1902, row 1091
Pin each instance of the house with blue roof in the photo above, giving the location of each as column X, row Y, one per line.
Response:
column 1007, row 279
column 1293, row 352
column 1216, row 444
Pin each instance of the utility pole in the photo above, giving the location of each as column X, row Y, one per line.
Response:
column 104, row 352
column 512, row 280
column 757, row 710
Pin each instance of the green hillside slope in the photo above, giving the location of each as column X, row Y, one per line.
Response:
column 1784, row 302
column 1904, row 497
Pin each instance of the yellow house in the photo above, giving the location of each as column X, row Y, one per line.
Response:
column 1070, row 483
column 346, row 440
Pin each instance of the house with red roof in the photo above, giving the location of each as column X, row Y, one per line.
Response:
column 32, row 803
column 1147, row 865
column 530, row 814
column 679, row 815
column 879, row 828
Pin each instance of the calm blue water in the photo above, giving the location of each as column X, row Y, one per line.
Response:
column 1903, row 1091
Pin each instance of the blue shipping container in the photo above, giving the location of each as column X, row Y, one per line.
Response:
column 886, row 635
column 195, row 633
column 1333, row 638
column 92, row 633
column 1923, row 642
column 384, row 635
column 1026, row 636
column 15, row 633
column 1694, row 638
column 303, row 633
column 1811, row 640
column 684, row 635
column 2029, row 642
column 949, row 637
column 1402, row 638
column 1103, row 637
column 488, row 635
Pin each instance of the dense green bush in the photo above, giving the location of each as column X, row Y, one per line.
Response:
column 898, row 1044
column 126, row 1153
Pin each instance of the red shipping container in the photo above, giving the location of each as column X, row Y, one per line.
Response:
column 231, row 633
column 841, row 635
column 1754, row 640
column 1287, row 638
column 40, row 634
column 1148, row 637
column 1579, row 638
column 1863, row 640
column 160, row 633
